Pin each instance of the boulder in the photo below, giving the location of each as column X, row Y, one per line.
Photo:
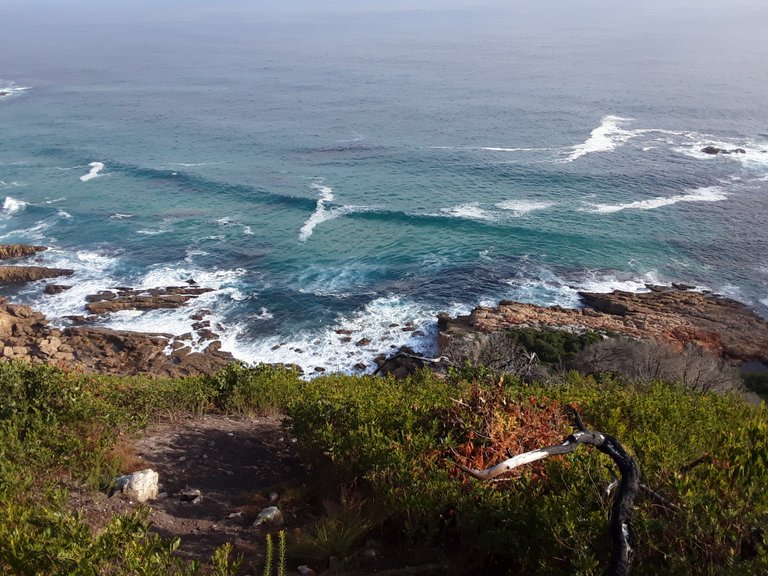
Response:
column 402, row 363
column 714, row 150
column 270, row 515
column 52, row 289
column 140, row 486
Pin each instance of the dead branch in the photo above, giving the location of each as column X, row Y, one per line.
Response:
column 621, row 514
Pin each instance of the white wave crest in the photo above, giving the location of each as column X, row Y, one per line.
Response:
column 606, row 137
column 322, row 213
column 152, row 232
column 95, row 168
column 175, row 275
column 708, row 194
column 470, row 211
column 502, row 149
column 522, row 207
column 14, row 184
column 8, row 90
column 12, row 205
column 119, row 216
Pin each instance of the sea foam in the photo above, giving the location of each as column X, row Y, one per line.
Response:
column 322, row 213
column 356, row 338
column 707, row 194
column 606, row 137
column 470, row 211
column 523, row 207
column 546, row 288
column 12, row 205
column 95, row 168
column 9, row 90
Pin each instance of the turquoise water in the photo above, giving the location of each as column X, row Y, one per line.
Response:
column 365, row 169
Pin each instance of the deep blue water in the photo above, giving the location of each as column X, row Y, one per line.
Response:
column 360, row 168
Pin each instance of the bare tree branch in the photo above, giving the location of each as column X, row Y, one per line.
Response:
column 621, row 514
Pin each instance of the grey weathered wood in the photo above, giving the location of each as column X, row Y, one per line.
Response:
column 621, row 514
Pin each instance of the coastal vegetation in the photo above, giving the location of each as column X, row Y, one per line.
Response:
column 382, row 456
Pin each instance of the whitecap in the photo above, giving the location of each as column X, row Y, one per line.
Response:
column 64, row 214
column 152, row 232
column 263, row 314
column 708, row 194
column 502, row 149
column 35, row 232
column 322, row 213
column 606, row 137
column 95, row 168
column 120, row 216
column 471, row 211
column 178, row 274
column 12, row 205
column 64, row 169
column 8, row 90
column 522, row 207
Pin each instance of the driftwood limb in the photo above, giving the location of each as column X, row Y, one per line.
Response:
column 621, row 514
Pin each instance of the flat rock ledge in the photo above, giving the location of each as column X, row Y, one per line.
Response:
column 25, row 334
column 118, row 299
column 14, row 274
column 9, row 251
column 676, row 315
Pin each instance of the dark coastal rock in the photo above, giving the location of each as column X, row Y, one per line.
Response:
column 714, row 150
column 8, row 251
column 56, row 288
column 107, row 301
column 402, row 363
column 723, row 326
column 15, row 274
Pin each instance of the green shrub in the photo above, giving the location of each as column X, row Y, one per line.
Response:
column 262, row 389
column 551, row 518
column 757, row 382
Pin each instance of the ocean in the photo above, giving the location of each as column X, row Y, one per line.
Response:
column 364, row 168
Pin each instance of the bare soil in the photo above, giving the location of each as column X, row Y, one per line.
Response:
column 235, row 463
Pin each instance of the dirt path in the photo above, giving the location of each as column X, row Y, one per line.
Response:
column 235, row 464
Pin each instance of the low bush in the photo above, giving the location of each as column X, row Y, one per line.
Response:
column 704, row 457
column 645, row 361
column 400, row 438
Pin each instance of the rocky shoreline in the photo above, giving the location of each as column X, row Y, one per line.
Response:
column 676, row 314
column 27, row 334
